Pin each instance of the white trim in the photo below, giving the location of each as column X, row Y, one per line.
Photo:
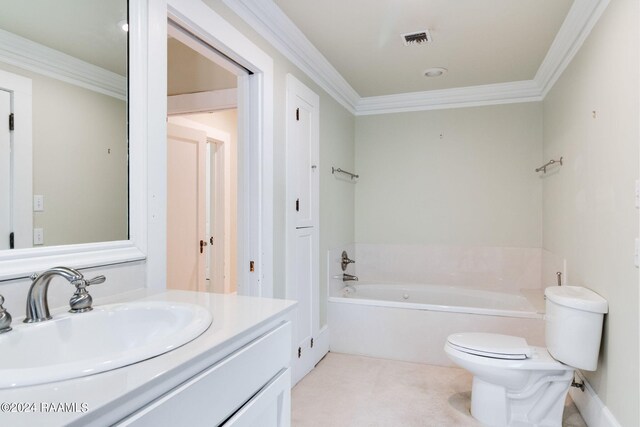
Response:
column 32, row 56
column 22, row 157
column 202, row 102
column 577, row 26
column 255, row 125
column 501, row 93
column 23, row 262
column 272, row 24
column 276, row 27
column 593, row 411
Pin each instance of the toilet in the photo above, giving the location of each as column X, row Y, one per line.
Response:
column 515, row 384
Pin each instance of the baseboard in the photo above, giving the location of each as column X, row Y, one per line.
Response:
column 321, row 345
column 593, row 411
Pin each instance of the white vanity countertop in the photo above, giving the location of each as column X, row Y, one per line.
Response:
column 104, row 398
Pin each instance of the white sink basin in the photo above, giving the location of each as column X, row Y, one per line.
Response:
column 109, row 337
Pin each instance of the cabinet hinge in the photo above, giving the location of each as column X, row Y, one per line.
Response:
column 11, row 122
column 252, row 266
column 297, row 114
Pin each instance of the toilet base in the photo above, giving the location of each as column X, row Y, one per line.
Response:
column 540, row 405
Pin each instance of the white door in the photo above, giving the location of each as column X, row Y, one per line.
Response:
column 186, row 213
column 5, row 169
column 302, row 223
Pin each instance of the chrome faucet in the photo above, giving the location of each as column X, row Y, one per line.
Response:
column 5, row 318
column 37, row 303
column 348, row 277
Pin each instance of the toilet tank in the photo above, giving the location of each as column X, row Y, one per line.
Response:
column 573, row 325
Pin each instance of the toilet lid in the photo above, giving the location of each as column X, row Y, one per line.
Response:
column 496, row 346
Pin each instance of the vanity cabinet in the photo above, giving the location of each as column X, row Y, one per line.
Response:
column 249, row 387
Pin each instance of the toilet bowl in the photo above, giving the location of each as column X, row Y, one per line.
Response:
column 515, row 384
column 511, row 385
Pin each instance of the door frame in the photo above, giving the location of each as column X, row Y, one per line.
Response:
column 255, row 125
column 20, row 89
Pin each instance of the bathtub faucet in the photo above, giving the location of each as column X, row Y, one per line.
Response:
column 348, row 277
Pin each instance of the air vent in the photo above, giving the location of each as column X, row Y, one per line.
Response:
column 416, row 38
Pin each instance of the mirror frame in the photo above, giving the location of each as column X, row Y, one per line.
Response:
column 21, row 263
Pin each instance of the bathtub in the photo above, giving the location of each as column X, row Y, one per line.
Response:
column 411, row 322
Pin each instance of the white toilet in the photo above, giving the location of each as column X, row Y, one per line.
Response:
column 515, row 384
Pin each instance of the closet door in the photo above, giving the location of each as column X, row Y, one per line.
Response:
column 302, row 223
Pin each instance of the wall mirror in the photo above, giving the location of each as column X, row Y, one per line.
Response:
column 64, row 148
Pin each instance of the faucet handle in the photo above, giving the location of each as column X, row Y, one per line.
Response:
column 5, row 318
column 96, row 280
column 81, row 300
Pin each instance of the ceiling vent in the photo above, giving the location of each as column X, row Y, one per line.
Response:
column 416, row 38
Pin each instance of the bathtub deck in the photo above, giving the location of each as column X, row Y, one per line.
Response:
column 353, row 391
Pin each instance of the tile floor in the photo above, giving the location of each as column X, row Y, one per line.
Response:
column 353, row 391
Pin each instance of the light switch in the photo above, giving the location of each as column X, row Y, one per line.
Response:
column 38, row 203
column 38, row 236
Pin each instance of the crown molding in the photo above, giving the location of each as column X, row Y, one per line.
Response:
column 582, row 17
column 272, row 24
column 28, row 55
column 472, row 96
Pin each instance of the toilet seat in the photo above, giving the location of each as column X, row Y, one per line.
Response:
column 495, row 346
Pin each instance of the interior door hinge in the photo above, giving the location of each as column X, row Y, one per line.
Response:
column 11, row 122
column 297, row 205
column 311, row 342
column 11, row 240
column 299, row 352
column 252, row 266
column 297, row 114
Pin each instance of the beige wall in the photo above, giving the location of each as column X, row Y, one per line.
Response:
column 589, row 214
column 451, row 177
column 336, row 148
column 79, row 162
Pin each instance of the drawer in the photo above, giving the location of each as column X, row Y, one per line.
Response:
column 211, row 397
column 270, row 407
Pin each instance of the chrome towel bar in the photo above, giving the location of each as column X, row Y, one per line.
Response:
column 549, row 163
column 352, row 175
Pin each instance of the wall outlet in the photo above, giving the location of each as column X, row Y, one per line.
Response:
column 38, row 236
column 38, row 203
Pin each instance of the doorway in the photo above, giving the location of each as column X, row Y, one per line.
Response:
column 202, row 172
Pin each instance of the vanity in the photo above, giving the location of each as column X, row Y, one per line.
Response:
column 236, row 373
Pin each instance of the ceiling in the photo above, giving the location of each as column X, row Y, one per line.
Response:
column 190, row 72
column 87, row 29
column 479, row 42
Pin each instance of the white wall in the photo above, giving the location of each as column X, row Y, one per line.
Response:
column 79, row 162
column 461, row 177
column 589, row 214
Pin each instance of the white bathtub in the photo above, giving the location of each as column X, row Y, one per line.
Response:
column 411, row 322
column 439, row 298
